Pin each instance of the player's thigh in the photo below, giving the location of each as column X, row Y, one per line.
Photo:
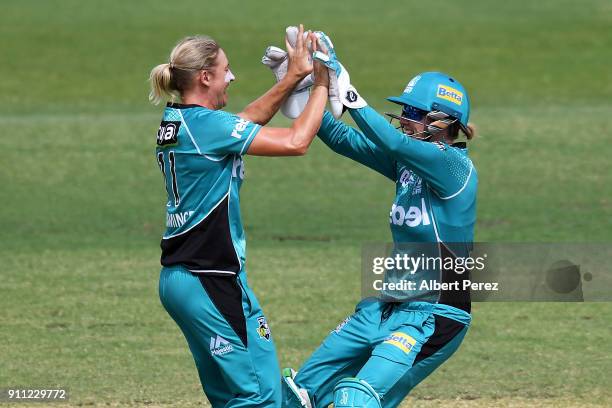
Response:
column 186, row 301
column 342, row 353
column 392, row 357
column 211, row 313
column 261, row 348
column 210, row 373
column 441, row 346
column 249, row 366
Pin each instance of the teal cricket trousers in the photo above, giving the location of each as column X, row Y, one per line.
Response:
column 392, row 347
column 227, row 334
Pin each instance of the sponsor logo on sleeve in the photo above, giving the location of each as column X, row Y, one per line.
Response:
column 167, row 133
column 450, row 94
column 401, row 340
column 241, row 124
column 343, row 323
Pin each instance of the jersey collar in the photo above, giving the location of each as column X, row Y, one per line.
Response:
column 183, row 106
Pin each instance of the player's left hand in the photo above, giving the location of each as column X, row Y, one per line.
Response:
column 320, row 72
column 341, row 92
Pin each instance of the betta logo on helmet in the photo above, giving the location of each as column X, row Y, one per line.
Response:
column 450, row 94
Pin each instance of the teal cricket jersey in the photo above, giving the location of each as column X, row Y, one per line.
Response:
column 435, row 183
column 199, row 152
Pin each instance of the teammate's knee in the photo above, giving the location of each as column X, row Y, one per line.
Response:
column 355, row 393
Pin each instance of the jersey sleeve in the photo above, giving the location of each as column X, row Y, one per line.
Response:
column 443, row 167
column 220, row 133
column 351, row 143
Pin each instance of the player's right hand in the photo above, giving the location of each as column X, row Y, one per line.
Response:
column 300, row 60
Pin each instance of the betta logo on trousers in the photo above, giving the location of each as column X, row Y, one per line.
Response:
column 402, row 341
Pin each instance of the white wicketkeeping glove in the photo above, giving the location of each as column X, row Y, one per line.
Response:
column 277, row 60
column 341, row 92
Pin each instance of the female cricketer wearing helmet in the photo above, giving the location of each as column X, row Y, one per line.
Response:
column 377, row 355
column 200, row 148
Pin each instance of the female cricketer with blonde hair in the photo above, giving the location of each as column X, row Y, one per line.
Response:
column 200, row 148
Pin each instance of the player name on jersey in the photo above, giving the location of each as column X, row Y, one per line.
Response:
column 177, row 220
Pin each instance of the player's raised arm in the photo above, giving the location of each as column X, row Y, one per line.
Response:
column 427, row 159
column 352, row 143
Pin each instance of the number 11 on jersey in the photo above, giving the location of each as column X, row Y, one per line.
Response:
column 173, row 185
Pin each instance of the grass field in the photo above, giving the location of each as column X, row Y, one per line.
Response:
column 83, row 201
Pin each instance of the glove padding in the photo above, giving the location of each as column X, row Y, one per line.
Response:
column 341, row 92
column 277, row 60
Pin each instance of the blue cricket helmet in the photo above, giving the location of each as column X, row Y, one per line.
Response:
column 437, row 91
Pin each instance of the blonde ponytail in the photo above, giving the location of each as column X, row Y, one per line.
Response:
column 160, row 79
column 190, row 55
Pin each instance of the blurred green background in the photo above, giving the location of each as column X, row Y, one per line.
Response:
column 83, row 199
